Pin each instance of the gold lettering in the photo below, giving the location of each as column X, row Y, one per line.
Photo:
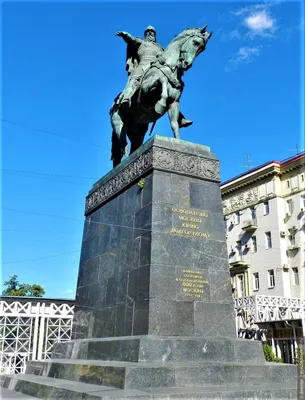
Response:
column 190, row 212
column 192, row 283
column 185, row 232
column 187, row 225
column 190, row 219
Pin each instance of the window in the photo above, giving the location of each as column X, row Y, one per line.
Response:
column 271, row 280
column 302, row 178
column 253, row 244
column 240, row 286
column 237, row 218
column 225, row 222
column 253, row 212
column 295, row 272
column 266, row 207
column 291, row 239
column 287, row 184
column 290, row 207
column 268, row 240
column 255, row 281
column 303, row 201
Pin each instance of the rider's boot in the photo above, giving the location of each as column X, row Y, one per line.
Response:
column 125, row 99
column 183, row 123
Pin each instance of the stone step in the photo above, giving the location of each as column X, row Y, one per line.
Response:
column 50, row 388
column 153, row 348
column 6, row 394
column 128, row 375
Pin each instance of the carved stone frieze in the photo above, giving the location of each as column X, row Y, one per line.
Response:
column 241, row 200
column 155, row 158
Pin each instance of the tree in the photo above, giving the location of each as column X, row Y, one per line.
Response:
column 15, row 288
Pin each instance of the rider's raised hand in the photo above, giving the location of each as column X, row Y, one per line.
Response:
column 120, row 33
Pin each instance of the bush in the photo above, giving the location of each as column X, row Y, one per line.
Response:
column 299, row 358
column 269, row 355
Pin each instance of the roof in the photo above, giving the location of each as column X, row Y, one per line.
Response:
column 280, row 164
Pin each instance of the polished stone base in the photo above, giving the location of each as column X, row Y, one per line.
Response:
column 154, row 312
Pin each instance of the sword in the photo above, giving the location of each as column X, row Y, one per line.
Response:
column 152, row 127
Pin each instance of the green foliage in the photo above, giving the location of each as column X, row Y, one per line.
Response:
column 269, row 355
column 15, row 288
column 299, row 358
column 141, row 183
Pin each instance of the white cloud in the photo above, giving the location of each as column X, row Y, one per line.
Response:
column 244, row 55
column 260, row 23
column 254, row 20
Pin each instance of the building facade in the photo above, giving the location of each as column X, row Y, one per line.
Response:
column 264, row 212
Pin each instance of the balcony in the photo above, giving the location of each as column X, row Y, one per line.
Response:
column 250, row 225
column 293, row 247
column 237, row 262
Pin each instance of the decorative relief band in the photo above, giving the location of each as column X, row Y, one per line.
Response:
column 154, row 158
column 243, row 199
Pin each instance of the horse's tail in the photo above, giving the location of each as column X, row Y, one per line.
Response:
column 116, row 151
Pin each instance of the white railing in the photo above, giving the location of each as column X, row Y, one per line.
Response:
column 271, row 308
column 29, row 327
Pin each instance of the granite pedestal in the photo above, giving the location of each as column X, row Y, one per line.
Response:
column 154, row 312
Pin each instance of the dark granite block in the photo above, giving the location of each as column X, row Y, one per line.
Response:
column 104, row 322
column 140, row 317
column 150, row 377
column 212, row 319
column 143, row 218
column 179, row 191
column 171, row 317
column 162, row 218
column 220, row 286
column 147, row 190
column 205, row 195
column 145, row 249
column 161, row 187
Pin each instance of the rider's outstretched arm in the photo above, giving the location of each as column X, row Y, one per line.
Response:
column 128, row 38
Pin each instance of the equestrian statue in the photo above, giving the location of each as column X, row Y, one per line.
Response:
column 154, row 86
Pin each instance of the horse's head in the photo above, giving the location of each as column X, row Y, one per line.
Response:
column 193, row 42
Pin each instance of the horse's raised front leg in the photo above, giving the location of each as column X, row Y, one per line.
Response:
column 173, row 113
column 161, row 106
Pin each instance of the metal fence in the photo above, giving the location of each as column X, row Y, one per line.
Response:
column 29, row 327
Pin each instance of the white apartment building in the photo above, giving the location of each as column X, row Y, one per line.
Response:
column 264, row 212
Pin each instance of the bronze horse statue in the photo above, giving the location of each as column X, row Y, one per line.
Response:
column 160, row 89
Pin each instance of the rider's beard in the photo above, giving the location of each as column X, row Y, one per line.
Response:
column 150, row 37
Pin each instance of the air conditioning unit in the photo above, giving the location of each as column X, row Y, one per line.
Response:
column 282, row 234
column 293, row 228
column 285, row 266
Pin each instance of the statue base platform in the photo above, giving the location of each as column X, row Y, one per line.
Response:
column 154, row 314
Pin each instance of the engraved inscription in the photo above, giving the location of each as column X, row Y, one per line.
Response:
column 192, row 283
column 190, row 221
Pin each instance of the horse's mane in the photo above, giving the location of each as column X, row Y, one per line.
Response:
column 185, row 34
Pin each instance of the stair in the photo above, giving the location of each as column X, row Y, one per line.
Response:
column 144, row 368
column 53, row 388
column 6, row 394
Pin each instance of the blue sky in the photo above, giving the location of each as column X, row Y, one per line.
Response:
column 62, row 66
